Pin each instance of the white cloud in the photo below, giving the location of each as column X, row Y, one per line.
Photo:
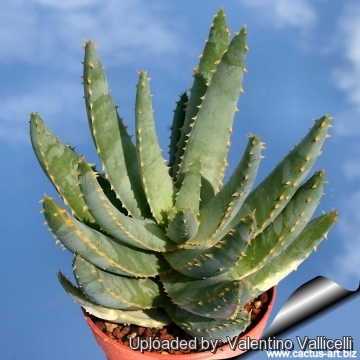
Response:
column 348, row 121
column 40, row 47
column 122, row 27
column 351, row 169
column 17, row 30
column 350, row 32
column 283, row 13
column 68, row 4
column 16, row 109
column 38, row 31
column 347, row 75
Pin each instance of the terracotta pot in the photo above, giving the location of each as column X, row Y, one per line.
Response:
column 117, row 351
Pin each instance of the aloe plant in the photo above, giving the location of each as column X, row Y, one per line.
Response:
column 156, row 243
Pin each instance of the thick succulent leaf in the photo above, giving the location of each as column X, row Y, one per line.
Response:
column 291, row 257
column 116, row 291
column 183, row 226
column 189, row 193
column 208, row 328
column 217, row 215
column 157, row 183
column 147, row 318
column 283, row 230
column 209, row 136
column 275, row 191
column 99, row 249
column 183, row 217
column 176, row 128
column 144, row 234
column 59, row 163
column 206, row 297
column 109, row 192
column 215, row 45
column 113, row 143
column 204, row 263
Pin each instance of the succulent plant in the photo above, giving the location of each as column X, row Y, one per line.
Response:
column 156, row 243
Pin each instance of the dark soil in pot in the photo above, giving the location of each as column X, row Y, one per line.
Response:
column 121, row 332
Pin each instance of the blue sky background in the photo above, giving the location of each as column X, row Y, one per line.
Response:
column 304, row 61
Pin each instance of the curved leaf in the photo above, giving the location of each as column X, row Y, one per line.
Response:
column 113, row 143
column 143, row 234
column 116, row 291
column 207, row 297
column 209, row 136
column 208, row 328
column 215, row 45
column 148, row 318
column 99, row 249
column 155, row 178
column 59, row 163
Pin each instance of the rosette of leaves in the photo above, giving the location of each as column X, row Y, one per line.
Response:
column 158, row 242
